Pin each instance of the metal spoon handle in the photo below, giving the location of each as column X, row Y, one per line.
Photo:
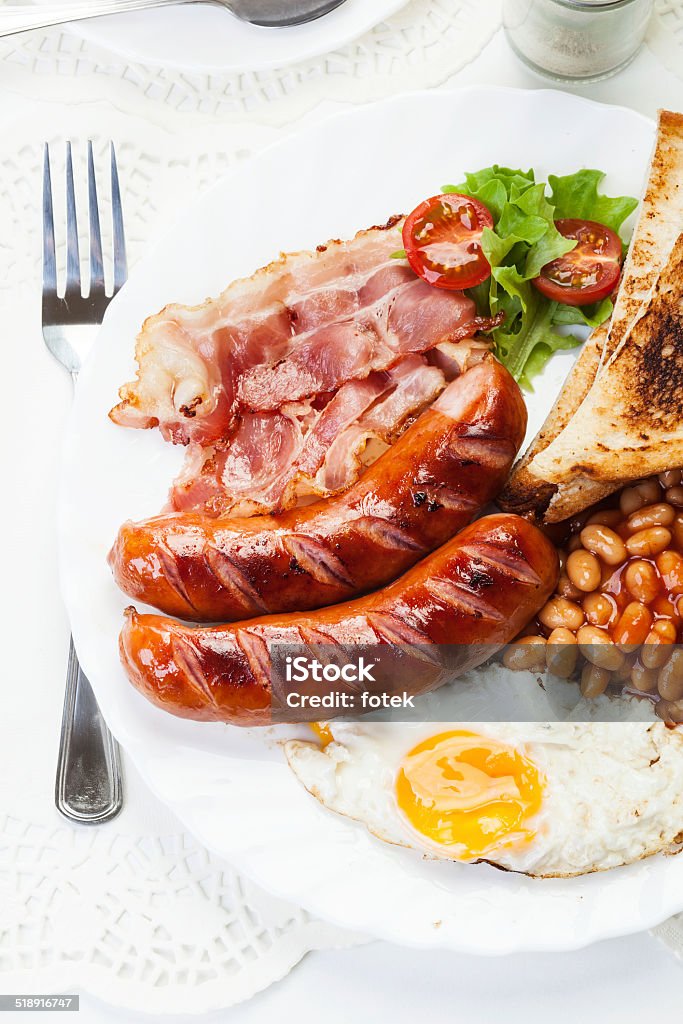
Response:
column 15, row 18
column 88, row 788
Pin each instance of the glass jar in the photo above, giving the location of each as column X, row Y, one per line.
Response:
column 576, row 40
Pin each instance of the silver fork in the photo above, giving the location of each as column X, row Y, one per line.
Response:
column 88, row 786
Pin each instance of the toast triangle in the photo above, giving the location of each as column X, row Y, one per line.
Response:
column 661, row 218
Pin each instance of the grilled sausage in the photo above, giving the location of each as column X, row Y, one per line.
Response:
column 433, row 481
column 478, row 590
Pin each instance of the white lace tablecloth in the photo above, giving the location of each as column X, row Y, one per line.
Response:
column 136, row 911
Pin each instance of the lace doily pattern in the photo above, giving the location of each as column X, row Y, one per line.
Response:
column 665, row 37
column 422, row 45
column 153, row 922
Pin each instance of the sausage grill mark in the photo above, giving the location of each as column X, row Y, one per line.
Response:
column 233, row 579
column 169, row 566
column 387, row 535
column 255, row 650
column 456, row 596
column 315, row 557
column 188, row 663
column 511, row 564
column 396, row 630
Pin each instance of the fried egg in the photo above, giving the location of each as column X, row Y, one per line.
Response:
column 543, row 798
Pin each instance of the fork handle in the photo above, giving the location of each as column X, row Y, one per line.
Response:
column 88, row 788
column 15, row 18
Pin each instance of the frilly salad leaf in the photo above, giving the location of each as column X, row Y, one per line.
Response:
column 576, row 195
column 523, row 239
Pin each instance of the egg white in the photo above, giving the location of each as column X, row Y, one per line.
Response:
column 613, row 790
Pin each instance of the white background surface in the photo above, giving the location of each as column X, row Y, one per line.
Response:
column 624, row 980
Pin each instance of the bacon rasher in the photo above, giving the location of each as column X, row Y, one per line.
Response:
column 278, row 384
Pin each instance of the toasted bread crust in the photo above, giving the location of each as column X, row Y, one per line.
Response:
column 634, row 411
column 659, row 223
column 525, row 494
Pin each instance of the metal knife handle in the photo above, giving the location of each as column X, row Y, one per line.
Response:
column 88, row 789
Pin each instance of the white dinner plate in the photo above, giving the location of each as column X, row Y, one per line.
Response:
column 205, row 38
column 231, row 787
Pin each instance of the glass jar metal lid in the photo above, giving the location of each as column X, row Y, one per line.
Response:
column 572, row 40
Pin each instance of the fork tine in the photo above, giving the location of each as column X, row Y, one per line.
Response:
column 96, row 265
column 120, row 264
column 49, row 259
column 73, row 262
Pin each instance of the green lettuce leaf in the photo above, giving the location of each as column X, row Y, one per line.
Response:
column 576, row 195
column 523, row 240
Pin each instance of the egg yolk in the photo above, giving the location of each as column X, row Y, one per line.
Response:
column 323, row 732
column 471, row 793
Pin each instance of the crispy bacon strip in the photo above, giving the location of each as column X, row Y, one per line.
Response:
column 278, row 385
column 277, row 458
column 322, row 317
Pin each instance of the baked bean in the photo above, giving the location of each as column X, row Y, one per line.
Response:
column 670, row 711
column 604, row 542
column 526, row 654
column 574, row 543
column 677, row 531
column 660, row 514
column 630, row 500
column 594, row 680
column 609, row 576
column 565, row 588
column 605, row 517
column 656, row 650
column 599, row 609
column 643, row 679
column 674, row 495
column 561, row 652
column 650, row 542
column 670, row 478
column 558, row 611
column 666, row 629
column 665, row 606
column 623, row 673
column 650, row 487
column 641, row 580
column 670, row 679
column 670, row 565
column 643, row 493
column 583, row 570
column 632, row 626
column 596, row 647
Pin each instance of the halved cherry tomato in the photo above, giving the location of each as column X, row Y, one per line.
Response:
column 442, row 241
column 590, row 271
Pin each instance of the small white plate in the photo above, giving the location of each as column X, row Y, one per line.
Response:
column 231, row 787
column 203, row 38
